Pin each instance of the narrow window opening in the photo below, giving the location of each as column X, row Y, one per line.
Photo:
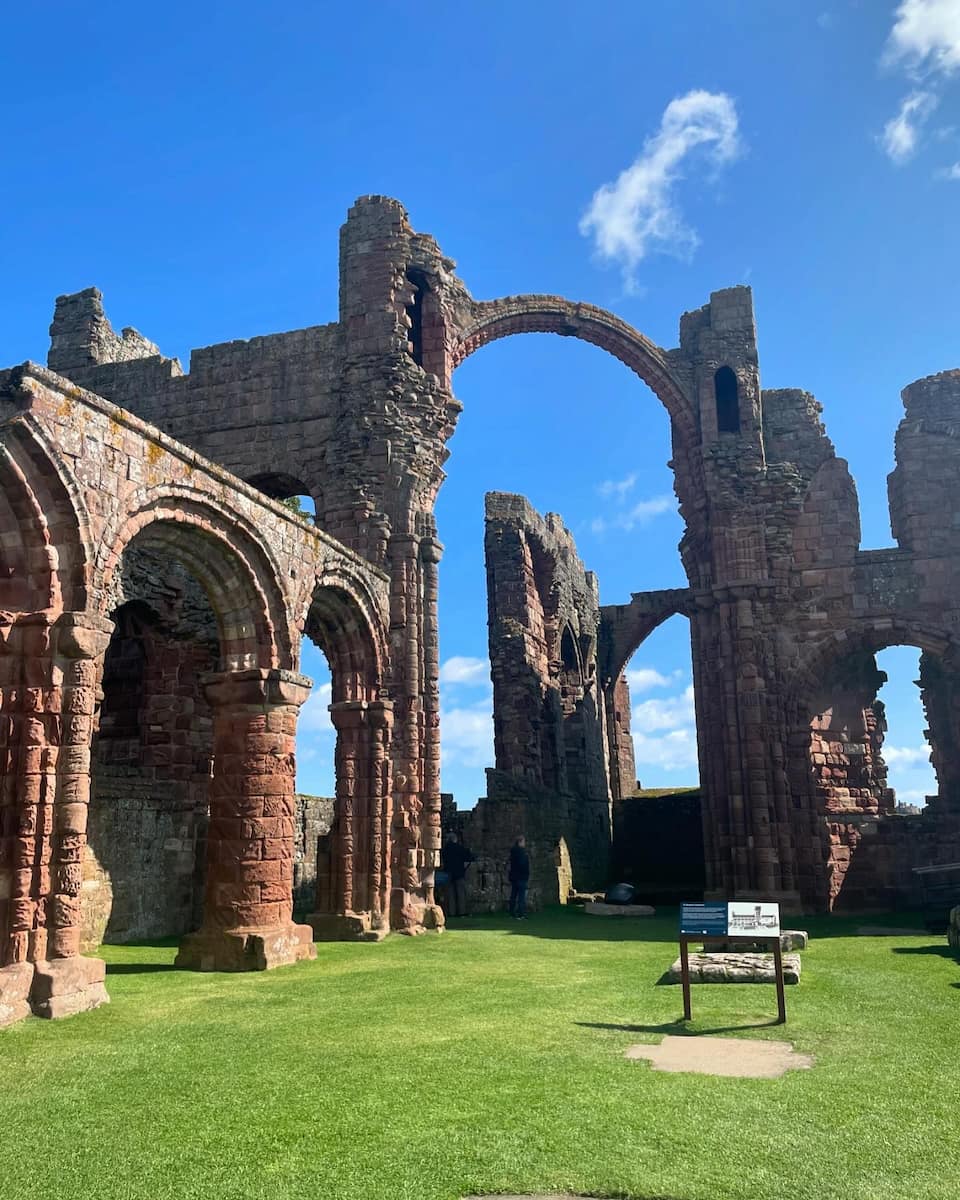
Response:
column 728, row 401
column 568, row 653
column 415, row 315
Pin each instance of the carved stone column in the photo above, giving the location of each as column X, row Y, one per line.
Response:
column 406, row 600
column 430, row 554
column 19, row 821
column 359, row 889
column 380, row 727
column 50, row 721
column 248, row 905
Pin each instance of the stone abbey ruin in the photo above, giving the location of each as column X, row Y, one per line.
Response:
column 155, row 593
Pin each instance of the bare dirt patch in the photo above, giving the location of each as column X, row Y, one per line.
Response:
column 738, row 1057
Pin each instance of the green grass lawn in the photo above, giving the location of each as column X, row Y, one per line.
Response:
column 488, row 1059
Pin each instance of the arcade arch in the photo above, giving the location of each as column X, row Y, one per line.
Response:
column 500, row 440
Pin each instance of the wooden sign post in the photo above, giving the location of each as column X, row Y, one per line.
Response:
column 738, row 923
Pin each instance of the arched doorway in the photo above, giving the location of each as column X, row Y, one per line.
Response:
column 253, row 700
column 152, row 756
column 354, row 857
column 658, row 835
column 855, row 849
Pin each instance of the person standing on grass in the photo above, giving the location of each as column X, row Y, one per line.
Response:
column 519, row 877
column 454, row 859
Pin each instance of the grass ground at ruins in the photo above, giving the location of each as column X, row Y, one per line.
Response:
column 488, row 1059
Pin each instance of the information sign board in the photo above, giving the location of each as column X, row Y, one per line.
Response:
column 740, row 918
column 739, row 922
column 710, row 920
column 745, row 917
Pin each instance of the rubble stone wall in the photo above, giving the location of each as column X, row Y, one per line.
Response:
column 550, row 739
column 315, row 816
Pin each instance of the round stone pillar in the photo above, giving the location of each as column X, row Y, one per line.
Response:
column 248, row 903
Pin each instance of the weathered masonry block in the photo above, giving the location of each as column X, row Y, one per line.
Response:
column 142, row 547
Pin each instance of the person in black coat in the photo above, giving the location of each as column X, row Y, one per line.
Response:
column 519, row 877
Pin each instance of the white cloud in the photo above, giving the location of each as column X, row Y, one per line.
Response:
column 924, row 43
column 925, row 37
column 642, row 679
column 950, row 172
column 673, row 751
column 641, row 513
column 315, row 715
column 664, row 714
column 617, row 487
column 906, row 756
column 901, row 133
column 645, row 511
column 825, row 20
column 464, row 670
column 466, row 735
column 664, row 732
column 637, row 213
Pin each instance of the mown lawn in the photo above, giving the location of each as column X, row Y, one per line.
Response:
column 488, row 1059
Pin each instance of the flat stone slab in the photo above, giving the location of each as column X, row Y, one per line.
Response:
column 736, row 968
column 597, row 908
column 742, row 1058
column 790, row 939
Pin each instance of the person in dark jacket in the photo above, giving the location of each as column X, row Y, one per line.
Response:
column 519, row 876
column 454, row 859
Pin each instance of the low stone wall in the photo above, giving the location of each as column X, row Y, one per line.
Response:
column 314, row 821
column 658, row 846
column 564, row 840
column 882, row 852
column 144, row 860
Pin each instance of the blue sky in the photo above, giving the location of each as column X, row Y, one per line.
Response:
column 195, row 162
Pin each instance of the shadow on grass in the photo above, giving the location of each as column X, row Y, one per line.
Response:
column 675, row 1028
column 573, row 924
column 569, row 925
column 168, row 942
column 139, row 968
column 940, row 951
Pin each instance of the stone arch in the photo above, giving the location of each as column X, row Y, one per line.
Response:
column 46, row 564
column 343, row 621
column 836, row 775
column 806, row 679
column 143, row 862
column 495, row 319
column 342, row 618
column 278, row 485
column 234, row 567
column 625, row 627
